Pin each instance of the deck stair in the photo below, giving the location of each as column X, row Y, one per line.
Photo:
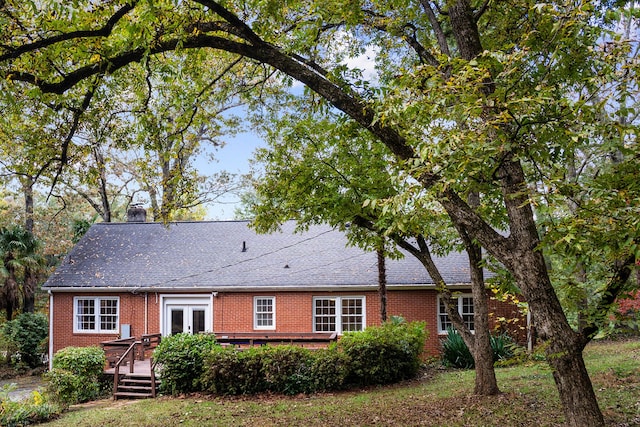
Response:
column 136, row 386
column 134, row 372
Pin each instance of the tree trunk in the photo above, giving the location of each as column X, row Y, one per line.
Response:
column 29, row 284
column 486, row 383
column 27, row 188
column 382, row 285
column 564, row 353
column 102, row 188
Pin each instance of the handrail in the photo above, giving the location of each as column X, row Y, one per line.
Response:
column 152, row 373
column 138, row 349
column 116, row 371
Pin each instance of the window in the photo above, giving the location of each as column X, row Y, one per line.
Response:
column 96, row 314
column 338, row 314
column 264, row 310
column 465, row 308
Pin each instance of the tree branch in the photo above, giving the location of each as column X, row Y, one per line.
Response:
column 104, row 31
column 437, row 28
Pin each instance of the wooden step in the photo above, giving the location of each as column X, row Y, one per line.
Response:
column 135, row 386
column 131, row 395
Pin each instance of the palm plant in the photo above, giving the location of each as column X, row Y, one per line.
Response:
column 20, row 268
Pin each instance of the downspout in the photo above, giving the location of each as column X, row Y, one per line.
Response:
column 146, row 312
column 50, row 330
column 214, row 294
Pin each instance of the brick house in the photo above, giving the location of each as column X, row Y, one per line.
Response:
column 134, row 278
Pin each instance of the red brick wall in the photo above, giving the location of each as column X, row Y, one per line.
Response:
column 132, row 312
column 233, row 312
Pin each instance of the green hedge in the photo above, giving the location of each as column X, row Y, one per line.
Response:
column 180, row 358
column 384, row 354
column 229, row 371
column 379, row 355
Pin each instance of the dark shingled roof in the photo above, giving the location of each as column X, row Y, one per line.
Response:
column 209, row 256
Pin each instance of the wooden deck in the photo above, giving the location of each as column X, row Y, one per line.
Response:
column 140, row 367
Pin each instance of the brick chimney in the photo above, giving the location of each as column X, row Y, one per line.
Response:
column 136, row 213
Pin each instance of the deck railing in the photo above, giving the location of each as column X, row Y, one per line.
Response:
column 127, row 351
column 250, row 339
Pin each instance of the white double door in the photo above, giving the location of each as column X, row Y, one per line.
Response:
column 186, row 314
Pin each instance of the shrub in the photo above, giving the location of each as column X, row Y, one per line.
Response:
column 379, row 355
column 85, row 362
column 287, row 369
column 329, row 369
column 502, row 346
column 181, row 358
column 384, row 354
column 455, row 353
column 76, row 375
column 229, row 371
column 64, row 387
column 25, row 336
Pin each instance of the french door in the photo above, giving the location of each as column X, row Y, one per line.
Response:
column 185, row 314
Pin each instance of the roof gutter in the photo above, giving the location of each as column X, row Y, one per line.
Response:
column 236, row 288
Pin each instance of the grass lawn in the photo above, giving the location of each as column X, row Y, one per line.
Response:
column 438, row 398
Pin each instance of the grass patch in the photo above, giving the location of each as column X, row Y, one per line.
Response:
column 438, row 398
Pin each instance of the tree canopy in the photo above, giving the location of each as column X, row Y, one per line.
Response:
column 529, row 106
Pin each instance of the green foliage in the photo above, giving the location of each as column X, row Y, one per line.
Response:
column 456, row 354
column 329, row 370
column 66, row 388
column 33, row 410
column 229, row 371
column 282, row 369
column 378, row 355
column 27, row 335
column 384, row 354
column 287, row 369
column 503, row 347
column 87, row 362
column 181, row 358
column 76, row 375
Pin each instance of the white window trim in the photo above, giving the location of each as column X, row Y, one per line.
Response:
column 255, row 313
column 96, row 315
column 338, row 315
column 458, row 298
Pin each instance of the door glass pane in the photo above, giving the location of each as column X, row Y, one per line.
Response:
column 198, row 321
column 177, row 321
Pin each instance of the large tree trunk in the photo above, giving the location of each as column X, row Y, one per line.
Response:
column 519, row 254
column 486, row 383
column 479, row 343
column 564, row 353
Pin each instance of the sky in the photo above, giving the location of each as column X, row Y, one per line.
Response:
column 234, row 157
